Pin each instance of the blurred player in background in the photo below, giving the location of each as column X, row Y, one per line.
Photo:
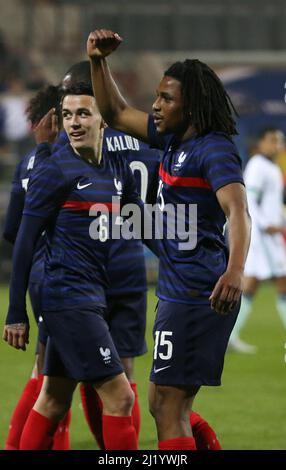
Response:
column 267, row 254
column 199, row 288
column 38, row 107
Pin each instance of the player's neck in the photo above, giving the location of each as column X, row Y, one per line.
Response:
column 93, row 154
column 188, row 133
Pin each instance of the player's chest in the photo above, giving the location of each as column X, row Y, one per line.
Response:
column 180, row 171
column 180, row 163
column 96, row 185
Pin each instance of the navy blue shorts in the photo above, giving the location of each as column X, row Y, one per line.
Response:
column 126, row 318
column 42, row 335
column 80, row 346
column 189, row 344
column 43, row 332
column 35, row 293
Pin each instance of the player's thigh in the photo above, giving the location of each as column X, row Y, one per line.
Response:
column 59, row 388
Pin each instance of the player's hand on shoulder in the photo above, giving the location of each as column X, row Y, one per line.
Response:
column 17, row 335
column 227, row 291
column 47, row 129
column 102, row 42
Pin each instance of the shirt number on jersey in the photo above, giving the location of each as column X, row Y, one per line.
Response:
column 162, row 342
column 140, row 166
column 103, row 228
column 161, row 203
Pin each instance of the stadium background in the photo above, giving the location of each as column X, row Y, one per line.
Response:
column 245, row 42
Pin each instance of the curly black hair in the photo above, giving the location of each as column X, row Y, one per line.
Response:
column 205, row 97
column 46, row 98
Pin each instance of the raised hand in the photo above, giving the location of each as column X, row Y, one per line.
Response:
column 102, row 42
column 47, row 129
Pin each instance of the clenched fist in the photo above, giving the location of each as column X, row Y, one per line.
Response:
column 101, row 43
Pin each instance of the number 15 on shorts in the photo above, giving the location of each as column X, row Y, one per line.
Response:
column 163, row 345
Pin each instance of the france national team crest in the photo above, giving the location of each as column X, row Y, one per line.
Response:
column 118, row 186
column 181, row 159
column 106, row 355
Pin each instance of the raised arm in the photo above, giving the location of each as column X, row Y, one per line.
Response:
column 112, row 106
column 228, row 289
column 15, row 208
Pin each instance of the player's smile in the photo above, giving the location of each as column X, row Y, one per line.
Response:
column 81, row 121
column 77, row 136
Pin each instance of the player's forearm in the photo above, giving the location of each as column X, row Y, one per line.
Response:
column 13, row 216
column 108, row 97
column 28, row 235
column 239, row 237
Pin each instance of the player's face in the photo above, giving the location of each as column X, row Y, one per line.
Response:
column 272, row 144
column 81, row 121
column 168, row 110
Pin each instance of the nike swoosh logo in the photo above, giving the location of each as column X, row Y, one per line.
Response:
column 82, row 186
column 159, row 370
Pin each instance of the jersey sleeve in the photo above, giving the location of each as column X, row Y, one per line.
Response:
column 15, row 207
column 29, row 232
column 17, row 186
column 221, row 164
column 46, row 190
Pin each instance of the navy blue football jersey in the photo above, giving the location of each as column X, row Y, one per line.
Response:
column 190, row 173
column 128, row 255
column 64, row 191
column 144, row 163
column 20, row 182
